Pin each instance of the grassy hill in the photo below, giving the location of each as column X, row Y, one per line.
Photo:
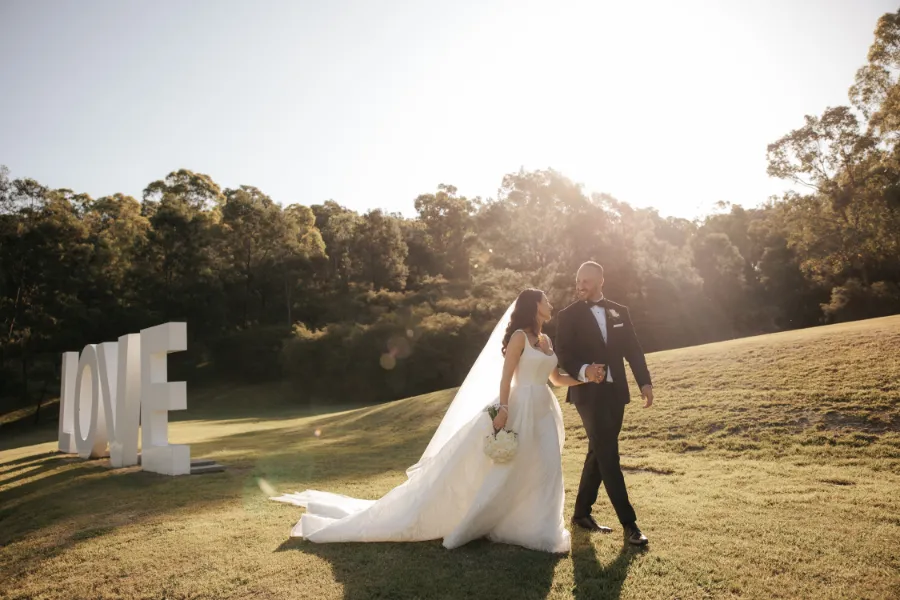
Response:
column 768, row 468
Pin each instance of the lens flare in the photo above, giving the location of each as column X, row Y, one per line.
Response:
column 388, row 362
column 399, row 347
column 266, row 487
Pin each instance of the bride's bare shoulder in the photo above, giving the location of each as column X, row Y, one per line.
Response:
column 517, row 340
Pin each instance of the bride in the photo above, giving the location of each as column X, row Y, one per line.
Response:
column 455, row 492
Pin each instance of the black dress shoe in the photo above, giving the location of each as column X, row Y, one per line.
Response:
column 634, row 536
column 590, row 524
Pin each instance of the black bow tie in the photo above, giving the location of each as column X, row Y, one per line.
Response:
column 600, row 302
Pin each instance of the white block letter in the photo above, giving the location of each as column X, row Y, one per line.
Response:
column 67, row 403
column 120, row 365
column 90, row 422
column 158, row 397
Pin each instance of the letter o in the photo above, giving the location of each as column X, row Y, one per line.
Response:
column 90, row 424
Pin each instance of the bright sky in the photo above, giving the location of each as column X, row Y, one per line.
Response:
column 370, row 103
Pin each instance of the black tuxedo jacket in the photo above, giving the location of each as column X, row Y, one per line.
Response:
column 579, row 342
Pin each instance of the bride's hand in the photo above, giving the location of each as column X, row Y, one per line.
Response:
column 500, row 420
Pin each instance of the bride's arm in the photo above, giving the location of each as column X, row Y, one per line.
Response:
column 513, row 353
column 560, row 380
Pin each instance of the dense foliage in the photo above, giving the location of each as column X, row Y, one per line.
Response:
column 366, row 307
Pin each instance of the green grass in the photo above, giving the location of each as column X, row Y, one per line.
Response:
column 769, row 468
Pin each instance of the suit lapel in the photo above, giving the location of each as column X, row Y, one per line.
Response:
column 612, row 320
column 593, row 324
column 609, row 325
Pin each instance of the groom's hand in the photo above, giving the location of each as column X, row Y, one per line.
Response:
column 647, row 393
column 595, row 373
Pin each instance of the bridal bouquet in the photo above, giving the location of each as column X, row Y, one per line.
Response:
column 500, row 446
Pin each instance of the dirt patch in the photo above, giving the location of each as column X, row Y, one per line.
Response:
column 871, row 423
column 653, row 470
column 693, row 448
column 838, row 481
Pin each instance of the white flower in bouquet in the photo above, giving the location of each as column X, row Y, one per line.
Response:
column 500, row 446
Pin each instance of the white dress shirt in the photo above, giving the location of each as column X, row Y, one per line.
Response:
column 600, row 314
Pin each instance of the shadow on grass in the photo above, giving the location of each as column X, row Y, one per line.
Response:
column 347, row 447
column 58, row 501
column 271, row 401
column 480, row 569
column 34, row 468
column 290, row 465
column 593, row 580
column 248, row 403
column 22, row 463
column 12, row 437
column 51, row 501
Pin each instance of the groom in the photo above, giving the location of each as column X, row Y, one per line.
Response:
column 593, row 336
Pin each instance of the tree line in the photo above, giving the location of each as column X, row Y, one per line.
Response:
column 361, row 307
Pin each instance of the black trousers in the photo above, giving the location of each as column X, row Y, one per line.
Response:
column 602, row 415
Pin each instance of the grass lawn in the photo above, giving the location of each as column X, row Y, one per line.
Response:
column 768, row 468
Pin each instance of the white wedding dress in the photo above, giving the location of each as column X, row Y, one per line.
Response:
column 455, row 492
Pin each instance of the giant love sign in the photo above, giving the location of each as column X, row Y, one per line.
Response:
column 113, row 389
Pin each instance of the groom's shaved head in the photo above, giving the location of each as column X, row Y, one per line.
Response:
column 592, row 265
column 589, row 281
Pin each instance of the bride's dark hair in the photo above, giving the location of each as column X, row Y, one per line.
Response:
column 524, row 315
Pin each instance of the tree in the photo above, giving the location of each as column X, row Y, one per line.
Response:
column 876, row 91
column 196, row 190
column 178, row 261
column 448, row 221
column 521, row 228
column 44, row 263
column 255, row 236
column 721, row 266
column 117, row 231
column 422, row 261
column 339, row 228
column 849, row 224
column 790, row 299
column 380, row 251
column 829, row 155
column 306, row 246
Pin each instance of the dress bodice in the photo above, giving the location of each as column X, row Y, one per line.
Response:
column 535, row 366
